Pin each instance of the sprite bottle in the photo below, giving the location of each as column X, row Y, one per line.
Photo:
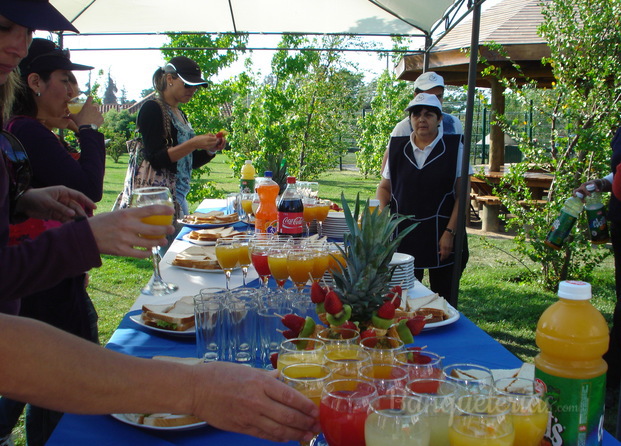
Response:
column 564, row 223
column 596, row 215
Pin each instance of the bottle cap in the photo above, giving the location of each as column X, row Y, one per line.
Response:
column 268, row 173
column 248, row 161
column 579, row 195
column 590, row 187
column 290, row 180
column 574, row 290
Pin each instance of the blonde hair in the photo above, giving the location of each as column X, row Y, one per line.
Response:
column 159, row 81
column 7, row 95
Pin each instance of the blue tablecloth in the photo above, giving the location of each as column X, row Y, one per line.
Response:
column 461, row 341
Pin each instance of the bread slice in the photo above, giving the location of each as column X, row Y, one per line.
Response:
column 201, row 257
column 433, row 307
column 176, row 317
column 169, row 420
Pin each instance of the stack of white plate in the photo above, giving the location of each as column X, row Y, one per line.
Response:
column 404, row 273
column 335, row 225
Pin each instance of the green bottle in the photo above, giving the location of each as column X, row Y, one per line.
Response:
column 596, row 215
column 564, row 223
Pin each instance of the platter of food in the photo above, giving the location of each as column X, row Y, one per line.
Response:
column 209, row 236
column 436, row 310
column 160, row 421
column 198, row 258
column 175, row 319
column 212, row 219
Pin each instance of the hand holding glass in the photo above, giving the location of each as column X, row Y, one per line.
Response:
column 148, row 196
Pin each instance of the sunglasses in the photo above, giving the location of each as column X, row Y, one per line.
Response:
column 17, row 166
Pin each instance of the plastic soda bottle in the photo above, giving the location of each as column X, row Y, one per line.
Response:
column 572, row 336
column 596, row 216
column 246, row 184
column 266, row 216
column 291, row 211
column 564, row 223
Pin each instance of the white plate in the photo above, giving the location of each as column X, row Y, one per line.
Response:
column 453, row 317
column 137, row 318
column 207, row 225
column 187, row 238
column 399, row 258
column 199, row 270
column 121, row 417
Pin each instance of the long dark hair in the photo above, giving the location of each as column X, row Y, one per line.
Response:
column 25, row 104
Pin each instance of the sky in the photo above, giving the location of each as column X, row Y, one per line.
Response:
column 133, row 69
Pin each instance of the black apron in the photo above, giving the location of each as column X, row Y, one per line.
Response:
column 427, row 194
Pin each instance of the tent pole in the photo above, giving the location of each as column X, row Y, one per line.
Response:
column 464, row 179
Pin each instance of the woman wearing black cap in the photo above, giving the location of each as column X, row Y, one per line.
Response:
column 41, row 106
column 176, row 84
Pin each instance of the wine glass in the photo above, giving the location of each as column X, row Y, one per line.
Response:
column 334, row 336
column 481, row 419
column 148, row 196
column 308, row 379
column 321, row 259
column 420, row 364
column 343, row 410
column 259, row 246
column 346, row 360
column 309, row 212
column 382, row 349
column 440, row 398
column 529, row 410
column 300, row 266
column 322, row 209
column 243, row 242
column 277, row 261
column 397, row 420
column 300, row 350
column 472, row 378
column 389, row 379
column 227, row 253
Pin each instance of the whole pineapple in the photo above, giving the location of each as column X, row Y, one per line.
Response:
column 368, row 252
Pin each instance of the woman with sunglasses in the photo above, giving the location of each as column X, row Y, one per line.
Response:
column 50, row 368
column 176, row 83
column 40, row 107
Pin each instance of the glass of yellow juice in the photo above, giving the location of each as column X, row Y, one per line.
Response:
column 148, row 196
column 529, row 410
column 481, row 420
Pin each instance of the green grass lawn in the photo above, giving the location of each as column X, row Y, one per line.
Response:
column 491, row 292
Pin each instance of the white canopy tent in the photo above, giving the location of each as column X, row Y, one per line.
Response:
column 413, row 18
column 362, row 17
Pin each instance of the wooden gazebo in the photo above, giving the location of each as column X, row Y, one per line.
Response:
column 512, row 24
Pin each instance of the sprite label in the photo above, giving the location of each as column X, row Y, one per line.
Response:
column 560, row 230
column 576, row 409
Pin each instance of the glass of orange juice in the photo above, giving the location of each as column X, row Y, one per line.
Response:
column 148, row 196
column 227, row 253
column 300, row 262
column 529, row 410
column 244, row 253
column 322, row 209
column 481, row 420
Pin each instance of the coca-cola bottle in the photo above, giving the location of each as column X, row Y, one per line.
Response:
column 291, row 211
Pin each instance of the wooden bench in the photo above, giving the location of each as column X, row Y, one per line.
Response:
column 490, row 212
column 537, row 204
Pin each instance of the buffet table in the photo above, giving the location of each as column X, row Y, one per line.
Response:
column 461, row 341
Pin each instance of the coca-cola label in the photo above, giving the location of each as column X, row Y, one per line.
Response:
column 290, row 223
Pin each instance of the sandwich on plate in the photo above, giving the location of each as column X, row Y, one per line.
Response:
column 433, row 307
column 175, row 317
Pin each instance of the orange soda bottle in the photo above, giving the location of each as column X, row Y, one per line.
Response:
column 266, row 217
column 572, row 336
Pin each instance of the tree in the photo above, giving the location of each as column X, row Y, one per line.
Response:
column 581, row 109
column 391, row 98
column 111, row 90
column 118, row 127
column 304, row 111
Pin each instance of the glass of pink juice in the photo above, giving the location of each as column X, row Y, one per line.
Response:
column 343, row 411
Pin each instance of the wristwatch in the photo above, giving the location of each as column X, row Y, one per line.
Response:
column 450, row 231
column 88, row 126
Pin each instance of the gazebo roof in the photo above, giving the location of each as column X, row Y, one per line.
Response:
column 510, row 23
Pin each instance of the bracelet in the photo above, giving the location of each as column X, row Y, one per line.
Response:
column 450, row 231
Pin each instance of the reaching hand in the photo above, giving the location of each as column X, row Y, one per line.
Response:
column 253, row 402
column 53, row 203
column 119, row 232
